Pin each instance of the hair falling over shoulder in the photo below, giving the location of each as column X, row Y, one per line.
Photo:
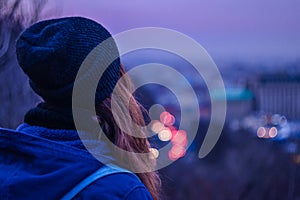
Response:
column 125, row 138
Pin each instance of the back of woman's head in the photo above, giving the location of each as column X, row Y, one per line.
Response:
column 51, row 53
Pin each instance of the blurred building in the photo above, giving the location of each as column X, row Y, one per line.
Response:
column 279, row 93
column 240, row 102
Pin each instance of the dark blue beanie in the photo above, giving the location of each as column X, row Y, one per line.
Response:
column 51, row 52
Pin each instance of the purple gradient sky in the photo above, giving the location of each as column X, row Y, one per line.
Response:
column 231, row 29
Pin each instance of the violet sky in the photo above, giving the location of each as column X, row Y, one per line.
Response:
column 258, row 30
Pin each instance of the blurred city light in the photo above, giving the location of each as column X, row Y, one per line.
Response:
column 176, row 152
column 156, row 126
column 165, row 134
column 166, row 118
column 273, row 132
column 154, row 153
column 179, row 138
column 276, row 119
column 261, row 132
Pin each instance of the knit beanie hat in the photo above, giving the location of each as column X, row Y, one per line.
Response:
column 51, row 52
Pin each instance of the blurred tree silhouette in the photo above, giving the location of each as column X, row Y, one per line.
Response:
column 16, row 97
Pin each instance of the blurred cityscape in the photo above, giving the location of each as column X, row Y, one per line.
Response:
column 258, row 153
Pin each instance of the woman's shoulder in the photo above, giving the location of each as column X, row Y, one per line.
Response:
column 116, row 186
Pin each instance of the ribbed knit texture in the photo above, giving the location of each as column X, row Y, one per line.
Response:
column 51, row 117
column 51, row 52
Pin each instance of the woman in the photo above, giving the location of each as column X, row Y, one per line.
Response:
column 45, row 157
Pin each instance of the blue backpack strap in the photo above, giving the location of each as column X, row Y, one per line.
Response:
column 103, row 171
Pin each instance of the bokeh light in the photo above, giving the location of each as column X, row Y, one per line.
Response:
column 283, row 121
column 273, row 132
column 154, row 153
column 176, row 152
column 166, row 118
column 165, row 134
column 261, row 132
column 275, row 119
column 179, row 138
column 156, row 126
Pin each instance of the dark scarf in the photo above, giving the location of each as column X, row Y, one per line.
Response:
column 52, row 117
column 56, row 124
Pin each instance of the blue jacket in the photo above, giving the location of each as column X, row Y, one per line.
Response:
column 40, row 163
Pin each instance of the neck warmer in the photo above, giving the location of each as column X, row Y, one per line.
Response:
column 52, row 117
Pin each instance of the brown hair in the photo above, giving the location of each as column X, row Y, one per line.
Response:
column 126, row 140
